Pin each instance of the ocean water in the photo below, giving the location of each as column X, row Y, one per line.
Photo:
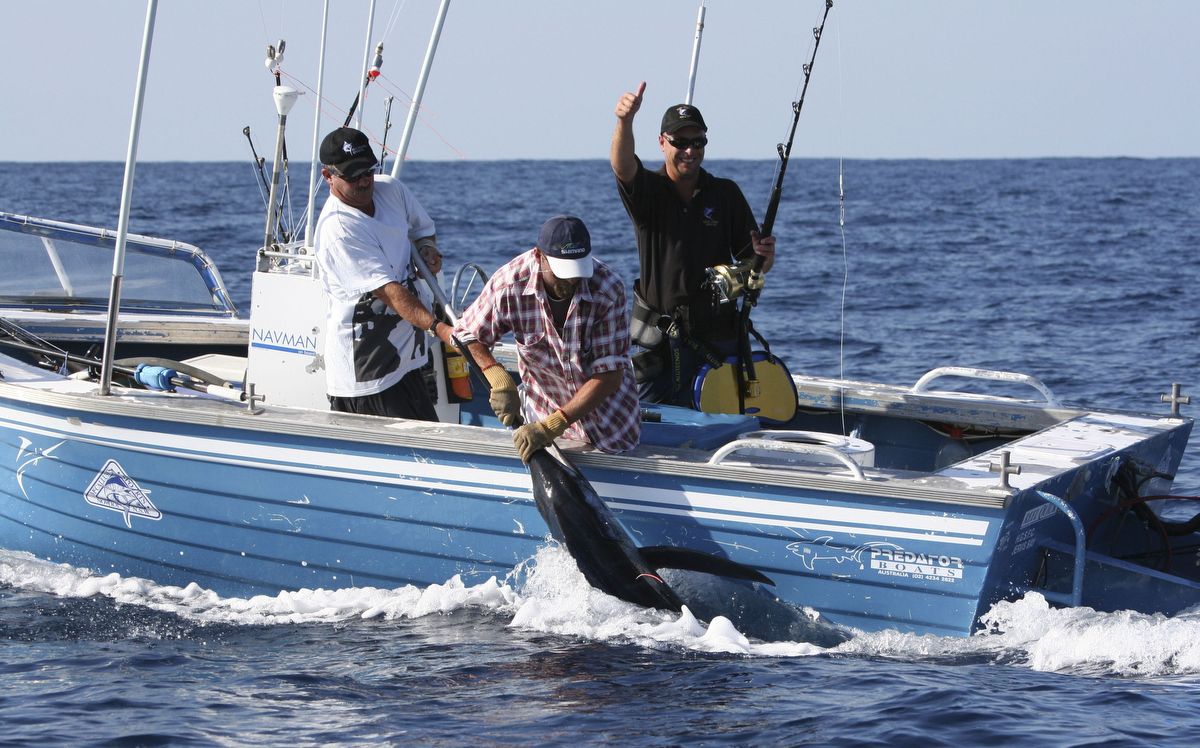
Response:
column 1080, row 272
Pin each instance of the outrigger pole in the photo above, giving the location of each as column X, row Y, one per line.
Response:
column 114, row 296
column 755, row 282
column 695, row 55
column 362, row 82
column 416, row 103
column 314, row 175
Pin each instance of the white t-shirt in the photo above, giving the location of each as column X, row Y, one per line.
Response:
column 368, row 347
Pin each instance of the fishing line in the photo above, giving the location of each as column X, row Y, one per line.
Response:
column 421, row 108
column 369, row 133
column 263, row 15
column 263, row 195
column 399, row 90
column 392, row 19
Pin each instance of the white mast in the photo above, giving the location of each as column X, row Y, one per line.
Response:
column 416, row 104
column 314, row 176
column 362, row 79
column 114, row 296
column 695, row 54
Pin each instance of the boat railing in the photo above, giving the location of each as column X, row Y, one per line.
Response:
column 775, row 445
column 295, row 257
column 53, row 261
column 1075, row 598
column 458, row 298
column 922, row 385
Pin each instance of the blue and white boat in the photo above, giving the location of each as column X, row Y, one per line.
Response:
column 878, row 506
column 870, row 529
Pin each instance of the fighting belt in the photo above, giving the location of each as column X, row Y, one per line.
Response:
column 648, row 328
column 663, row 336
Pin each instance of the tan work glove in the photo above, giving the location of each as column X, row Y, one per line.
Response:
column 534, row 436
column 505, row 400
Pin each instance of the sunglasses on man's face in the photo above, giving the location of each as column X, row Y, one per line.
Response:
column 356, row 178
column 684, row 143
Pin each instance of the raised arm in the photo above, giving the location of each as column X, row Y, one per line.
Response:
column 621, row 156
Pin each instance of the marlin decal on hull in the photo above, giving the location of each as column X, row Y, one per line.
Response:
column 583, row 523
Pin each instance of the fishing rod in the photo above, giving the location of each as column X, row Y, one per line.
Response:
column 695, row 55
column 754, row 282
column 371, row 75
column 387, row 126
column 786, row 151
column 731, row 282
column 258, row 160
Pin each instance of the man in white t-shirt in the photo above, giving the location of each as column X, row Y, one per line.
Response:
column 378, row 313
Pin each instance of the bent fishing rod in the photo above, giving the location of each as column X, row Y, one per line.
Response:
column 785, row 152
column 754, row 282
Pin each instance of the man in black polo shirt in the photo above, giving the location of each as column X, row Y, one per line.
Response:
column 686, row 221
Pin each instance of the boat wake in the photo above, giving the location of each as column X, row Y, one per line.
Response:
column 1081, row 641
column 548, row 594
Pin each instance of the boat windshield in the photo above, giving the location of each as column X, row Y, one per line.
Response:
column 52, row 265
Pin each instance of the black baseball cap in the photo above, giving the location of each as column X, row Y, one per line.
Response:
column 680, row 116
column 347, row 151
column 567, row 246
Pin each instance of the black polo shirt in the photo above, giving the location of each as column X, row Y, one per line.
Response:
column 677, row 241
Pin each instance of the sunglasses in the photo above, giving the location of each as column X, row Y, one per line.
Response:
column 357, row 177
column 684, row 143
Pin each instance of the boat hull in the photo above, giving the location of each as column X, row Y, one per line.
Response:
column 245, row 512
column 180, row 489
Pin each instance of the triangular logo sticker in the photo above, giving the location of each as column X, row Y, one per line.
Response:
column 113, row 489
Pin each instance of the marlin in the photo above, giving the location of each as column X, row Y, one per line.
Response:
column 580, row 520
column 610, row 561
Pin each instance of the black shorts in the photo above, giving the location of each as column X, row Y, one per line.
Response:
column 408, row 398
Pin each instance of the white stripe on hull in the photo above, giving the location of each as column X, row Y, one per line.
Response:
column 424, row 475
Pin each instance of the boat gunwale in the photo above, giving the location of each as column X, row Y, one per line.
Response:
column 465, row 439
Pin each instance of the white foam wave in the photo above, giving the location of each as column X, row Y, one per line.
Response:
column 1031, row 633
column 25, row 571
column 548, row 594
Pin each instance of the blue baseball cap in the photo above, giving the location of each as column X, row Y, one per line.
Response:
column 567, row 246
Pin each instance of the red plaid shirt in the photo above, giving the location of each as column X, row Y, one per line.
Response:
column 595, row 339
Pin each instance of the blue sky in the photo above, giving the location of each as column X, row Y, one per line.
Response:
column 920, row 79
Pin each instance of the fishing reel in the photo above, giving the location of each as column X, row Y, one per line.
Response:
column 729, row 283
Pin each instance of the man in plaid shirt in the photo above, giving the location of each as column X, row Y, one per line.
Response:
column 566, row 311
